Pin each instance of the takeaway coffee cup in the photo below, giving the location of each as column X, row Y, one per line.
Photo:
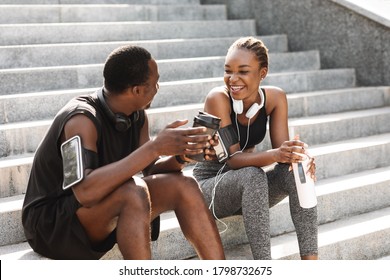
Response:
column 211, row 123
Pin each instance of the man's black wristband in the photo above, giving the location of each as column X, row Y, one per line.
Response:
column 180, row 160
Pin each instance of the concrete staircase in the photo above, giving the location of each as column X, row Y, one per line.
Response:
column 51, row 52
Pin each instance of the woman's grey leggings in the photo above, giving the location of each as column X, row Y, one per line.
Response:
column 252, row 191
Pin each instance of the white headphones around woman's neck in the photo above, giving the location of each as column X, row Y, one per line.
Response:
column 238, row 106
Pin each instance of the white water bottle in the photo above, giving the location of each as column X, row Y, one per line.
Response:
column 305, row 184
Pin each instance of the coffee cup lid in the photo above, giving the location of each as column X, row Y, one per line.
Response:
column 207, row 120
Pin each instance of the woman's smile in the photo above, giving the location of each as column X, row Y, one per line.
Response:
column 235, row 90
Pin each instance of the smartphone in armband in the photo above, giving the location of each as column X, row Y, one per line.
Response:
column 227, row 137
column 72, row 161
column 221, row 150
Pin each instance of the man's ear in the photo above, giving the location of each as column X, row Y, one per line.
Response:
column 136, row 90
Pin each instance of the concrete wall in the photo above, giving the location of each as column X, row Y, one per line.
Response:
column 345, row 38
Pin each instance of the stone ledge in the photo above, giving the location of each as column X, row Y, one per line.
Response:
column 377, row 10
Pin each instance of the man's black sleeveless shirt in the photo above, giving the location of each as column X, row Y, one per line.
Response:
column 45, row 182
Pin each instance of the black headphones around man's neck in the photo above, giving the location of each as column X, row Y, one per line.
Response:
column 121, row 121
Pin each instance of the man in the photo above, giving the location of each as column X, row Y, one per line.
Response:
column 110, row 204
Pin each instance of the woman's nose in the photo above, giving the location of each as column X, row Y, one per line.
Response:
column 233, row 77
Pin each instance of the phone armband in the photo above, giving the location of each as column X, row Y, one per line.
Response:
column 72, row 162
column 227, row 137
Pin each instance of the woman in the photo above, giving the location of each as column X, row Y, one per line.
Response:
column 241, row 185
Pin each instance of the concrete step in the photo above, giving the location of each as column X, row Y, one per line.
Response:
column 350, row 156
column 20, row 251
column 11, row 230
column 333, row 160
column 336, row 127
column 50, row 33
column 24, row 137
column 174, row 69
column 341, row 197
column 43, row 55
column 350, row 236
column 361, row 237
column 301, row 104
column 314, row 129
column 44, row 105
column 14, row 172
column 89, row 76
column 129, row 2
column 15, row 14
column 335, row 101
column 343, row 157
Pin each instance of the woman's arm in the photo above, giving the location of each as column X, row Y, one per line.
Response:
column 218, row 104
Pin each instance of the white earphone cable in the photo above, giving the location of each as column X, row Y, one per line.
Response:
column 219, row 176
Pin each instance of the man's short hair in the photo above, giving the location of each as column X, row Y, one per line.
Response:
column 126, row 66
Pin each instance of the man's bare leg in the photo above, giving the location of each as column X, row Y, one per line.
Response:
column 174, row 191
column 128, row 210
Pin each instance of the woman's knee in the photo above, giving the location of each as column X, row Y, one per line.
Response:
column 253, row 172
column 284, row 173
column 253, row 177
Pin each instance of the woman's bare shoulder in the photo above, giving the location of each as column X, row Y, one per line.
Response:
column 273, row 90
column 217, row 93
